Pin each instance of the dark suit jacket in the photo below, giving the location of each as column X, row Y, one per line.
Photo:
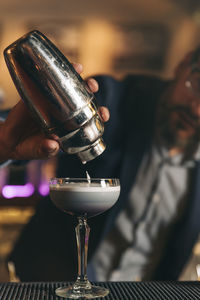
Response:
column 46, row 249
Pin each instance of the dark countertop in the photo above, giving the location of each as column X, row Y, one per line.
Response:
column 118, row 290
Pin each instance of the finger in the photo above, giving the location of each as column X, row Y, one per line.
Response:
column 78, row 67
column 36, row 147
column 48, row 148
column 104, row 113
column 93, row 85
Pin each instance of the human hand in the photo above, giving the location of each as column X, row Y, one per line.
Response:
column 22, row 139
column 94, row 87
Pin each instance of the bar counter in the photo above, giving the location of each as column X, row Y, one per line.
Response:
column 118, row 290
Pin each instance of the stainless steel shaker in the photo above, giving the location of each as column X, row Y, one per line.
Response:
column 56, row 95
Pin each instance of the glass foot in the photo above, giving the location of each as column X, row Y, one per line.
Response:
column 71, row 293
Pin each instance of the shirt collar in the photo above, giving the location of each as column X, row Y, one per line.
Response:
column 179, row 159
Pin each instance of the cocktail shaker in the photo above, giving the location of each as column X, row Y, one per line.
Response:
column 56, row 95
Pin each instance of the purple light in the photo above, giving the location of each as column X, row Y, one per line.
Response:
column 12, row 191
column 44, row 189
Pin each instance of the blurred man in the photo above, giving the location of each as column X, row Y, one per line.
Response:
column 153, row 147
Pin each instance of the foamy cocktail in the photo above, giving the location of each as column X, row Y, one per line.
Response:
column 84, row 198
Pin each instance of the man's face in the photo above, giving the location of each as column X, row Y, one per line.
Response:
column 179, row 113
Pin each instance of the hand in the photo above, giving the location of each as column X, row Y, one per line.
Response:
column 21, row 138
column 94, row 87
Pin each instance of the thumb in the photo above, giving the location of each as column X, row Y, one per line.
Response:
column 36, row 147
column 47, row 148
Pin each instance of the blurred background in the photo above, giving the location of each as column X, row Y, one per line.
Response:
column 113, row 37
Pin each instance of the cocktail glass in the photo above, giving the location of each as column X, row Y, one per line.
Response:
column 84, row 198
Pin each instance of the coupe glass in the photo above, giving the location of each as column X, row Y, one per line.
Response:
column 84, row 198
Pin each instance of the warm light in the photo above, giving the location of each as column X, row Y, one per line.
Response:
column 12, row 191
column 97, row 46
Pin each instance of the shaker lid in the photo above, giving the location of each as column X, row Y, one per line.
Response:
column 95, row 150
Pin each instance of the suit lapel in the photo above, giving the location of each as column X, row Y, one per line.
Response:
column 133, row 154
column 184, row 236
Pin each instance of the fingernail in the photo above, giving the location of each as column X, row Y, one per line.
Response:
column 49, row 148
column 53, row 146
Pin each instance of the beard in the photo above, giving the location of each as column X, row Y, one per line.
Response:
column 169, row 128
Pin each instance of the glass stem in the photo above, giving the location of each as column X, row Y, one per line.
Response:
column 82, row 237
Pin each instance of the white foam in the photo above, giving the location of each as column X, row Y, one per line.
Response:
column 84, row 188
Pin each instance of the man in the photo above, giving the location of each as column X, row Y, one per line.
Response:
column 153, row 147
